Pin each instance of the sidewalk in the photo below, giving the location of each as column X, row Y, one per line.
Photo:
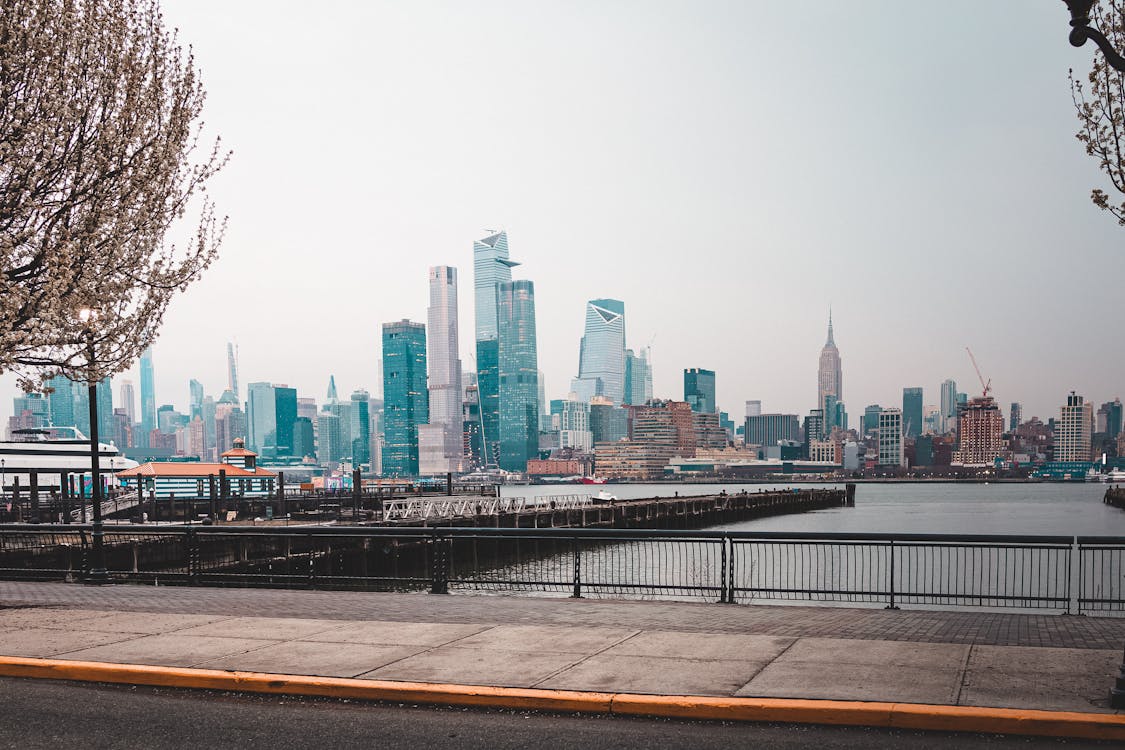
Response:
column 1047, row 662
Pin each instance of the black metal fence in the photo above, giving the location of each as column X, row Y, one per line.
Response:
column 1062, row 573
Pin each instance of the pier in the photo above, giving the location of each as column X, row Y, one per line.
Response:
column 1115, row 496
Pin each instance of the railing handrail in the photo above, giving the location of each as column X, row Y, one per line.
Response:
column 441, row 530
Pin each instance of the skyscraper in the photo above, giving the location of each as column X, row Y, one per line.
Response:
column 980, row 427
column 912, row 411
column 60, row 395
column 1015, row 417
column 285, row 414
column 405, row 399
column 948, row 405
column 1074, row 430
column 871, row 418
column 361, row 427
column 891, row 450
column 491, row 268
column 440, row 443
column 518, row 362
column 106, row 425
column 148, row 396
column 601, row 354
column 638, row 377
column 195, row 404
column 261, row 416
column 830, row 377
column 232, row 369
column 699, row 390
column 128, row 400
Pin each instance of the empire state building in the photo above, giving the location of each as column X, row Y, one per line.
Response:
column 830, row 379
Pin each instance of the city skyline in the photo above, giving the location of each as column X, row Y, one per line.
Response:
column 910, row 203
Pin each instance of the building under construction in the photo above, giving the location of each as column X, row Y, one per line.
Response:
column 980, row 429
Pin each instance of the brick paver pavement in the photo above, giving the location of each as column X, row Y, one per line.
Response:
column 975, row 628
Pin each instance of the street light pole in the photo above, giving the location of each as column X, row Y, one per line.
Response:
column 1080, row 31
column 98, row 572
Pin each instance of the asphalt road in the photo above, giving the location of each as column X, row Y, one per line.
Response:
column 45, row 714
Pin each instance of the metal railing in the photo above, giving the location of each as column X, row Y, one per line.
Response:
column 460, row 505
column 1061, row 573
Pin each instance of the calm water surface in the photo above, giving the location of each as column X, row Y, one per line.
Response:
column 924, row 508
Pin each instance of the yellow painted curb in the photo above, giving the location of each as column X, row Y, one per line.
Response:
column 801, row 711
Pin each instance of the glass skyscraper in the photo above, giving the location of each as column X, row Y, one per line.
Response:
column 699, row 390
column 261, row 416
column 491, row 268
column 601, row 356
column 638, row 378
column 442, row 447
column 148, row 396
column 405, row 398
column 911, row 412
column 361, row 427
column 519, row 375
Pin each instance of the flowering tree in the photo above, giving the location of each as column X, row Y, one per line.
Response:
column 1100, row 104
column 99, row 133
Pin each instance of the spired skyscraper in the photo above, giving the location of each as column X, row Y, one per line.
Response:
column 440, row 443
column 829, row 379
column 519, row 375
column 601, row 356
column 491, row 268
column 405, row 399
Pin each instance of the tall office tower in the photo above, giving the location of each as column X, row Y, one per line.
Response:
column 441, row 447
column 361, row 427
column 261, row 416
column 127, row 396
column 699, row 390
column 329, row 444
column 871, row 418
column 638, row 377
column 948, row 405
column 767, row 430
column 208, row 413
column 232, row 369
column 1015, row 418
column 829, row 377
column 601, row 354
column 574, row 426
column 1073, row 430
column 285, row 414
column 544, row 413
column 195, row 404
column 491, row 268
column 1113, row 417
column 608, row 422
column 196, row 439
column 754, row 408
column 518, row 361
column 105, row 410
column 474, row 449
column 931, row 420
column 230, row 425
column 912, row 411
column 405, row 399
column 148, row 395
column 814, row 429
column 122, row 429
column 60, row 396
column 36, row 408
column 303, row 442
column 891, row 452
column 980, row 427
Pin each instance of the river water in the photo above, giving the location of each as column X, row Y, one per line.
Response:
column 920, row 507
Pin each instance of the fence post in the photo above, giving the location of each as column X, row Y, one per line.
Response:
column 192, row 555
column 312, row 559
column 891, row 586
column 84, row 542
column 577, row 567
column 439, row 564
column 726, row 596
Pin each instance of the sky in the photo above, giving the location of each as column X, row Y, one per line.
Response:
column 730, row 170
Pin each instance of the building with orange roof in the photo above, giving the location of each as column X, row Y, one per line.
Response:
column 193, row 479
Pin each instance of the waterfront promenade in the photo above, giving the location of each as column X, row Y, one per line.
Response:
column 1044, row 662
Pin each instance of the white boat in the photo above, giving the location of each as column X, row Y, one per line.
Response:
column 51, row 452
column 1117, row 475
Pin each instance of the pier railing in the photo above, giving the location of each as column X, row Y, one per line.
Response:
column 1060, row 573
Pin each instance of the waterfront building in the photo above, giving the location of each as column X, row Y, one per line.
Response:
column 767, row 430
column 441, row 448
column 405, row 398
column 664, row 422
column 912, row 412
column 699, row 390
column 814, row 429
column 826, row 451
column 1074, row 429
column 980, row 428
column 708, row 431
column 948, row 405
column 891, row 449
column 633, row 460
column 148, row 393
column 601, row 353
column 491, row 268
column 1015, row 416
column 638, row 377
column 871, row 418
column 519, row 375
column 830, row 377
column 193, row 479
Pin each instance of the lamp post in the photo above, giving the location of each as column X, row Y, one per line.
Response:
column 1080, row 31
column 98, row 572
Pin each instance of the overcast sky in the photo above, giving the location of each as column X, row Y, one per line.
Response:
column 728, row 169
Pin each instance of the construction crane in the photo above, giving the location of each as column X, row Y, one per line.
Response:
column 985, row 386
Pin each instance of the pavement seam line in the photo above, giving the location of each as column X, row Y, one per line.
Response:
column 557, row 672
column 964, row 674
column 424, row 649
column 761, row 669
column 896, row 715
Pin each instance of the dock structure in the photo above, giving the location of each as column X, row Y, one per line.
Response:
column 1115, row 496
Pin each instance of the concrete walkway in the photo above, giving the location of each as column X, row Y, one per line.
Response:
column 1049, row 662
